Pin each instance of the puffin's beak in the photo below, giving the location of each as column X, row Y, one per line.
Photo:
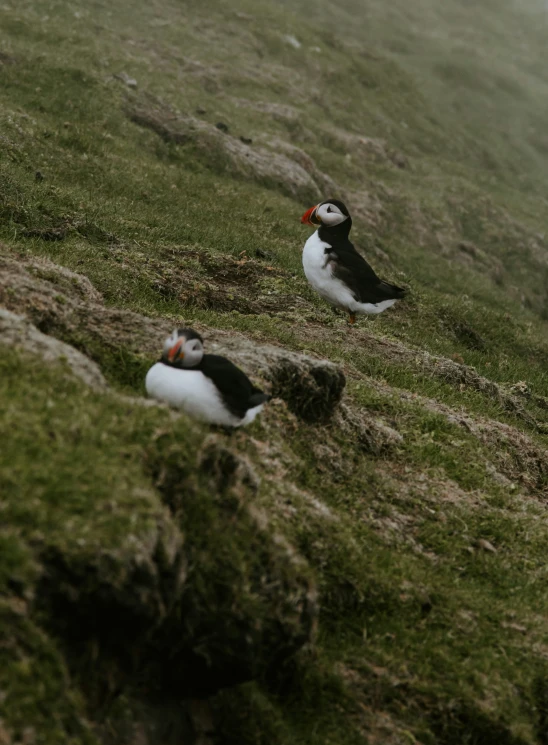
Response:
column 310, row 217
column 175, row 350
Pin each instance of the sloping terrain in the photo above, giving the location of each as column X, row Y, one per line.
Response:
column 366, row 562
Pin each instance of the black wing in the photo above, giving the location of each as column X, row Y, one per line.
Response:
column 237, row 391
column 352, row 269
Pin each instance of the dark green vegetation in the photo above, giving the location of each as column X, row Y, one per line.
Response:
column 378, row 576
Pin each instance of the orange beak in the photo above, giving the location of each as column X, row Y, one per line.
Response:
column 175, row 349
column 310, row 218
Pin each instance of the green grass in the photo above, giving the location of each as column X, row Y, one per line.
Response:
column 139, row 561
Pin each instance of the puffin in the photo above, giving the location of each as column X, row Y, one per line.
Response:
column 208, row 387
column 336, row 270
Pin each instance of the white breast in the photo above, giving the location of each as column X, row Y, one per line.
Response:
column 193, row 392
column 319, row 273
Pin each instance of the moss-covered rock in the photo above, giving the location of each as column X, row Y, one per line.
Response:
column 250, row 601
column 164, row 571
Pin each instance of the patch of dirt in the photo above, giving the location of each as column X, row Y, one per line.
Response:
column 463, row 332
column 58, row 233
column 235, row 284
column 205, row 280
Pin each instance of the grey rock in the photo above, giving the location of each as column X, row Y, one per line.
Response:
column 17, row 332
column 127, row 79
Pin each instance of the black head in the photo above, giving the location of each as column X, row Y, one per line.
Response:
column 189, row 334
column 184, row 348
column 331, row 214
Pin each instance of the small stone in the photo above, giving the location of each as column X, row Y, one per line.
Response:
column 125, row 78
column 486, row 546
column 201, row 111
column 222, row 126
column 38, row 176
column 246, row 140
column 292, row 41
column 514, row 627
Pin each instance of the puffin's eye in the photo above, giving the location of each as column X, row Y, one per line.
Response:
column 329, row 208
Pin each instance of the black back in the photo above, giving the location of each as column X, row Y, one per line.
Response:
column 188, row 334
column 352, row 269
column 236, row 389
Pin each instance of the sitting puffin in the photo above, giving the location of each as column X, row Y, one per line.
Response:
column 336, row 270
column 207, row 386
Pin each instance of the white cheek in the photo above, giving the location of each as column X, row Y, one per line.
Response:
column 332, row 218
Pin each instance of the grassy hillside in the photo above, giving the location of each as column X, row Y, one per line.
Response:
column 365, row 563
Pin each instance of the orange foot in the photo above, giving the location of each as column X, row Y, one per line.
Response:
column 352, row 318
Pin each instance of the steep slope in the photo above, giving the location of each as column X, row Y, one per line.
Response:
column 365, row 563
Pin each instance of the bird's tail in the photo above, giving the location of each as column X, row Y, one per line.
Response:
column 258, row 398
column 392, row 292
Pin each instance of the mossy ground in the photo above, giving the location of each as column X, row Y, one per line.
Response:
column 429, row 550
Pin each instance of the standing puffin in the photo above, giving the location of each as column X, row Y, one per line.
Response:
column 336, row 270
column 206, row 386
